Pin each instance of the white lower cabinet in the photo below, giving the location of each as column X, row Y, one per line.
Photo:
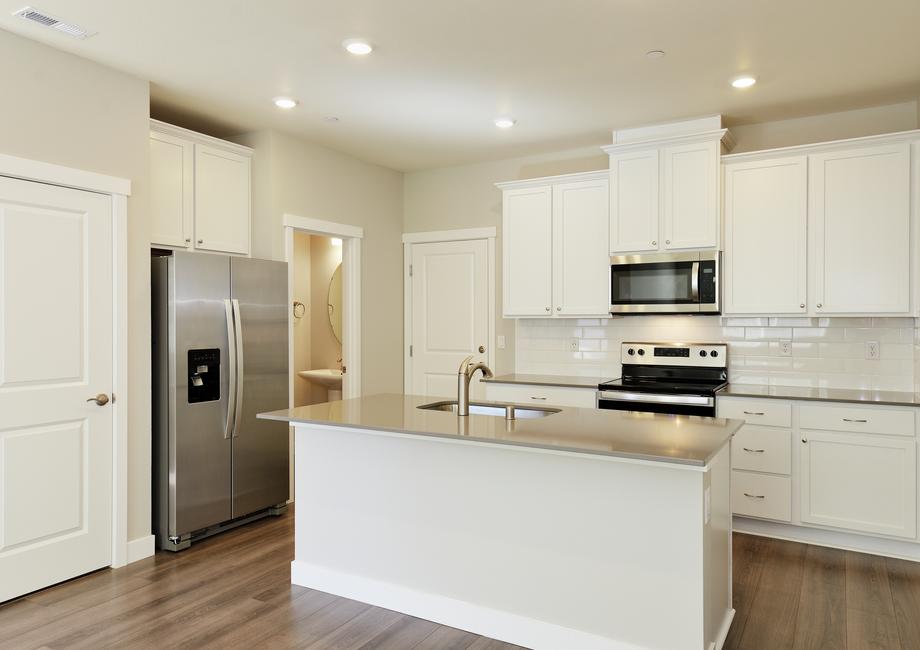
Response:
column 541, row 395
column 843, row 467
column 859, row 482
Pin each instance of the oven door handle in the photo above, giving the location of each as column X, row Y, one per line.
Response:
column 624, row 396
column 695, row 281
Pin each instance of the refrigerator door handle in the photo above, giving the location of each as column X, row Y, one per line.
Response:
column 238, row 382
column 231, row 390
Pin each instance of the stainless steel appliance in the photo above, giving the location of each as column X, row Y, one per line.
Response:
column 674, row 378
column 220, row 356
column 667, row 283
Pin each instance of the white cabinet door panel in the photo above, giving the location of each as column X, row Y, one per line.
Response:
column 765, row 236
column 860, row 482
column 530, row 395
column 634, row 201
column 527, row 251
column 56, row 332
column 690, row 181
column 580, row 258
column 860, row 207
column 222, row 200
column 171, row 190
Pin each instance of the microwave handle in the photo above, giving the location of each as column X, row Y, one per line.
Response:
column 695, row 281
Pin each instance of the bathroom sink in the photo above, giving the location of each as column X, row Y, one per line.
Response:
column 496, row 410
column 328, row 377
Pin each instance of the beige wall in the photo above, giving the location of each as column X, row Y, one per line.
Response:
column 297, row 177
column 66, row 110
column 465, row 196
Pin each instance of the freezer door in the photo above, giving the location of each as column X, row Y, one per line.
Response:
column 200, row 448
column 260, row 448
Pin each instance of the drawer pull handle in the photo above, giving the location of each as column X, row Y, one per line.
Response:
column 753, row 412
column 754, row 496
column 754, row 451
column 854, row 420
column 542, row 399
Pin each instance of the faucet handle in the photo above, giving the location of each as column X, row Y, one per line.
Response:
column 464, row 365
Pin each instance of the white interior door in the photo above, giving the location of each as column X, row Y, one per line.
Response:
column 450, row 314
column 56, row 325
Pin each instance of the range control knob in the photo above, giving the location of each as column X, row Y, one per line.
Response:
column 714, row 353
column 641, row 352
column 702, row 353
column 630, row 352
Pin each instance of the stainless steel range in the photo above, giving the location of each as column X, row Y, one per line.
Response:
column 674, row 378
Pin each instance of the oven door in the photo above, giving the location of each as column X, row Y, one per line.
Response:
column 624, row 400
column 651, row 284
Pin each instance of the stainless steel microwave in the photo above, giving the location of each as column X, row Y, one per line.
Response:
column 666, row 283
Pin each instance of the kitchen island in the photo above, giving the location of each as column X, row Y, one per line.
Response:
column 565, row 528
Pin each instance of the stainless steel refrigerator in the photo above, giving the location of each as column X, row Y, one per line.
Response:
column 220, row 356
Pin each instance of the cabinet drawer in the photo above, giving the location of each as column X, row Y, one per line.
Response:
column 771, row 413
column 761, row 495
column 857, row 419
column 541, row 395
column 762, row 449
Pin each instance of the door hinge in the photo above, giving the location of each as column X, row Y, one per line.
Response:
column 411, row 350
column 410, row 270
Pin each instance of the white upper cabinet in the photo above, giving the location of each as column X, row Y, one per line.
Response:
column 822, row 230
column 634, row 201
column 664, row 187
column 172, row 180
column 580, row 259
column 765, row 212
column 200, row 191
column 555, row 261
column 690, row 212
column 860, row 209
column 527, row 251
column 222, row 202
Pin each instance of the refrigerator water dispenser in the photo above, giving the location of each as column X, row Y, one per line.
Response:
column 203, row 375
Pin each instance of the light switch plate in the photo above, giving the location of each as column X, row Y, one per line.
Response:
column 501, row 342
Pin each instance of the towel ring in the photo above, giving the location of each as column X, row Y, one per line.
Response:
column 299, row 309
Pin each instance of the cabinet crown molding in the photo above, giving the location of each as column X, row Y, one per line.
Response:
column 200, row 138
column 820, row 147
column 723, row 136
column 600, row 174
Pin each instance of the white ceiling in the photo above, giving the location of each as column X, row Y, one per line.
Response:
column 567, row 70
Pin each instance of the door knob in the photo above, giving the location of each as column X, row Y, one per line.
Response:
column 482, row 349
column 101, row 399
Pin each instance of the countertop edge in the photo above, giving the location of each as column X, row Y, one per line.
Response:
column 590, row 383
column 680, row 463
column 776, row 392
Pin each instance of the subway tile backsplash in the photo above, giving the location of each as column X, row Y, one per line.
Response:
column 826, row 352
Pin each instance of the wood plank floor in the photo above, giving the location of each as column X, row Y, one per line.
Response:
column 233, row 591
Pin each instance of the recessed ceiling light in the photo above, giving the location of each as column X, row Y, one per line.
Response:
column 357, row 46
column 744, row 82
column 655, row 54
column 284, row 102
column 504, row 122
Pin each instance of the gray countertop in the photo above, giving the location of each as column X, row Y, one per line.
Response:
column 549, row 380
column 887, row 397
column 679, row 440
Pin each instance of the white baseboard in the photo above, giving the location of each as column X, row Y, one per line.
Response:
column 141, row 547
column 831, row 538
column 493, row 623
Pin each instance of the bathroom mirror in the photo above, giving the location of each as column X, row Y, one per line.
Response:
column 334, row 303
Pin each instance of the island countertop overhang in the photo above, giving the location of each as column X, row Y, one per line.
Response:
column 686, row 441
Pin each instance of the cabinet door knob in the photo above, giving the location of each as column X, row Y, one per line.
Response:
column 654, row 243
column 200, row 241
column 805, row 440
column 547, row 309
column 819, row 305
column 558, row 308
column 667, row 241
column 802, row 306
column 188, row 240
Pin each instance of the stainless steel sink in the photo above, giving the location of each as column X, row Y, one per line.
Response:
column 507, row 411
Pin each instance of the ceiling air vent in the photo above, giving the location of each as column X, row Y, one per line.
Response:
column 46, row 20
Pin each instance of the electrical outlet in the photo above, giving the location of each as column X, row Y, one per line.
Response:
column 501, row 342
column 785, row 348
column 573, row 345
column 872, row 351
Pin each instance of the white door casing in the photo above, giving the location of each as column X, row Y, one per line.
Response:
column 450, row 315
column 56, row 331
